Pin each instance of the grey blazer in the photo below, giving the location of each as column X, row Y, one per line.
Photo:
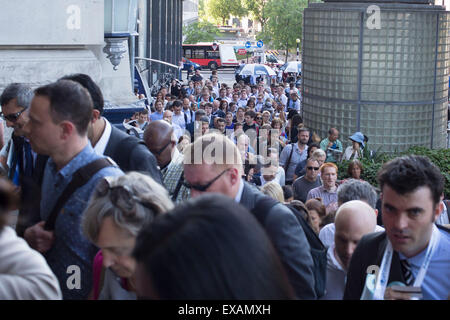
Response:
column 289, row 241
column 131, row 155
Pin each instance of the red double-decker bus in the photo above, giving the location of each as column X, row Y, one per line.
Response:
column 210, row 55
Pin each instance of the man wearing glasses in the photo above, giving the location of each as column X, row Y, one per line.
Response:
column 25, row 168
column 213, row 164
column 308, row 182
column 161, row 141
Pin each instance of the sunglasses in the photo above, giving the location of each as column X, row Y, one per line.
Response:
column 158, row 152
column 122, row 197
column 315, row 168
column 203, row 187
column 12, row 117
column 258, row 118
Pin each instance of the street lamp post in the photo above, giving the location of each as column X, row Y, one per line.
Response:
column 298, row 47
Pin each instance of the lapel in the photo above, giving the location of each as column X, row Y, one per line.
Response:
column 112, row 142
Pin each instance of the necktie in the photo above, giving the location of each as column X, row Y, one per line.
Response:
column 28, row 159
column 407, row 274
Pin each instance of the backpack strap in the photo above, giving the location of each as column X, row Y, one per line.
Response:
column 288, row 162
column 79, row 179
column 178, row 187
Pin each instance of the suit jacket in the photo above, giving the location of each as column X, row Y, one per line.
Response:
column 370, row 251
column 131, row 155
column 30, row 187
column 289, row 241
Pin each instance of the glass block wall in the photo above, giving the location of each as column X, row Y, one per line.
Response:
column 389, row 83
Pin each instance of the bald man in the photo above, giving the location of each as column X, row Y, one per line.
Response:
column 354, row 219
column 160, row 139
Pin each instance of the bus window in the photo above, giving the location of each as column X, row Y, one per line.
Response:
column 213, row 54
column 187, row 53
column 198, row 54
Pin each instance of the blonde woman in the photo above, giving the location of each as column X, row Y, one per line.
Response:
column 273, row 190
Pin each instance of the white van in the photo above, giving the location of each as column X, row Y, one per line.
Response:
column 228, row 56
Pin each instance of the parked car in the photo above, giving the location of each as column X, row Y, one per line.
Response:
column 188, row 63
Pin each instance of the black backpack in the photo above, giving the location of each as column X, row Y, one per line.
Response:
column 318, row 250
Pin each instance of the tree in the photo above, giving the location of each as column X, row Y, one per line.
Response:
column 257, row 9
column 200, row 32
column 223, row 9
column 284, row 23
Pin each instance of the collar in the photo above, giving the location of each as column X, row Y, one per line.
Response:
column 104, row 139
column 240, row 191
column 77, row 162
column 333, row 260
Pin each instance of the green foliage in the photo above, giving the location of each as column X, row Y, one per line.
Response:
column 223, row 9
column 440, row 157
column 284, row 23
column 200, row 32
column 257, row 9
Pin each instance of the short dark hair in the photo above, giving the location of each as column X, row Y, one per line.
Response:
column 177, row 103
column 200, row 113
column 20, row 91
column 70, row 101
column 91, row 86
column 406, row 174
column 250, row 113
column 288, row 192
column 220, row 120
column 241, row 261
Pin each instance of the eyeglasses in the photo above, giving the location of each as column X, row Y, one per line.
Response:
column 258, row 118
column 315, row 168
column 12, row 117
column 122, row 197
column 204, row 187
column 158, row 152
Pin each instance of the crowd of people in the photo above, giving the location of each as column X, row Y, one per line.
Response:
column 216, row 192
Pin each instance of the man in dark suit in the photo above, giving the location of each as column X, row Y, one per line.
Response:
column 25, row 168
column 127, row 151
column 411, row 201
column 213, row 164
column 196, row 124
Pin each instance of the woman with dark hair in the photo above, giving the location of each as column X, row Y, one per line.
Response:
column 250, row 105
column 355, row 169
column 24, row 273
column 223, row 105
column 212, row 248
column 293, row 129
column 316, row 212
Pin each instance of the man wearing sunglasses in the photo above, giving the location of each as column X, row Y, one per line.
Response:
column 307, row 182
column 213, row 164
column 25, row 168
column 161, row 141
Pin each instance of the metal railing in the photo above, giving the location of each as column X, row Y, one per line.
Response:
column 160, row 76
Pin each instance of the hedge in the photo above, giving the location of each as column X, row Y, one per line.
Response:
column 440, row 157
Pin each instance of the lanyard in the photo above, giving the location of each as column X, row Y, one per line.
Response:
column 383, row 273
